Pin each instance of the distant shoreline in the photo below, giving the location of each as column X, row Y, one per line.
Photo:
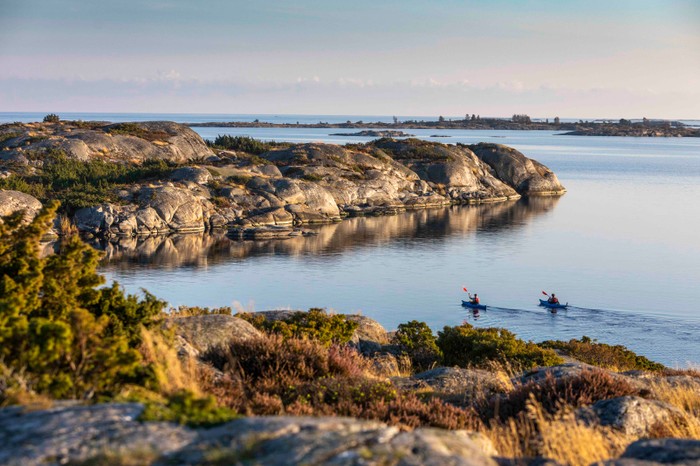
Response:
column 647, row 128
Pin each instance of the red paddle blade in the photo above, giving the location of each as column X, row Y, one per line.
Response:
column 545, row 293
column 464, row 289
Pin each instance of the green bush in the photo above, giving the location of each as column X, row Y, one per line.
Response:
column 415, row 339
column 315, row 324
column 313, row 177
column 60, row 334
column 615, row 357
column 243, row 144
column 466, row 346
column 52, row 118
column 187, row 409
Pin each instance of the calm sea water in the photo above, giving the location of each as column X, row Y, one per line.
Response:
column 621, row 246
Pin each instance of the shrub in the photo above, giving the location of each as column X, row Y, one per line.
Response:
column 52, row 118
column 415, row 339
column 615, row 357
column 553, row 394
column 313, row 177
column 273, row 375
column 186, row 408
column 243, row 144
column 466, row 346
column 59, row 334
column 315, row 324
column 290, row 358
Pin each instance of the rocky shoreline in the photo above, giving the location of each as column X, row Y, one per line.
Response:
column 276, row 190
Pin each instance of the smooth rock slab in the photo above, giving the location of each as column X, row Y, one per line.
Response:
column 337, row 441
column 74, row 433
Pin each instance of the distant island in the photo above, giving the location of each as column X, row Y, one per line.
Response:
column 622, row 127
column 376, row 134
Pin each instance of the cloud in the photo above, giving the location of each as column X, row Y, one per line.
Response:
column 171, row 92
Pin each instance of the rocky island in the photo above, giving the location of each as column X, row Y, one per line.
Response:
column 141, row 179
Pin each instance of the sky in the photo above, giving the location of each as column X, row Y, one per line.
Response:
column 573, row 59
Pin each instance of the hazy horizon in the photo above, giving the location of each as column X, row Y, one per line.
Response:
column 592, row 60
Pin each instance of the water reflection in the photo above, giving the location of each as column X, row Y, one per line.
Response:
column 202, row 250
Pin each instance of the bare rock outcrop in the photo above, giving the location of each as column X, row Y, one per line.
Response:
column 132, row 142
column 455, row 170
column 527, row 176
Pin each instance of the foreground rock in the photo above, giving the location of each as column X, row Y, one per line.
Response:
column 681, row 452
column 107, row 433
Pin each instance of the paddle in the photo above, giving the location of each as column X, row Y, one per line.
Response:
column 545, row 293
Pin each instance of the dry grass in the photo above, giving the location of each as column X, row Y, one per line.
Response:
column 561, row 437
column 172, row 373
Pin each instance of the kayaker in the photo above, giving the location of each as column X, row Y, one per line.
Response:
column 474, row 299
column 553, row 299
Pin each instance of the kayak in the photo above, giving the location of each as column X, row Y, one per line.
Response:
column 545, row 303
column 473, row 306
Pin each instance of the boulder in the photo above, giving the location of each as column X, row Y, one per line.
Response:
column 630, row 414
column 527, row 176
column 201, row 332
column 13, row 201
column 681, row 452
column 180, row 209
column 457, row 385
column 192, row 174
column 368, row 330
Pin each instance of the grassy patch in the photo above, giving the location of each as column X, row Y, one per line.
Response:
column 134, row 129
column 187, row 409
